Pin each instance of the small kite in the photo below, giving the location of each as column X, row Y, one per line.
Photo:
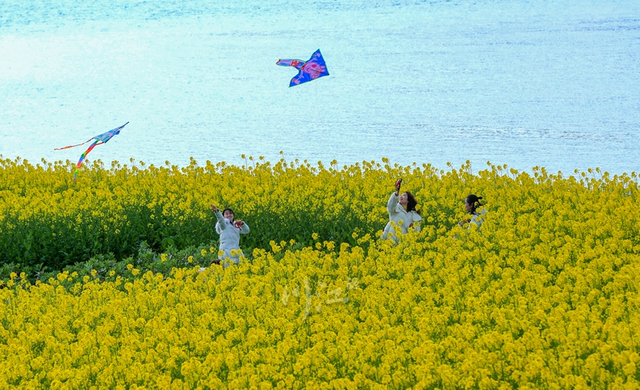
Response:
column 309, row 70
column 99, row 140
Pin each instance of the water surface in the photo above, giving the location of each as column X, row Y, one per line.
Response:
column 538, row 83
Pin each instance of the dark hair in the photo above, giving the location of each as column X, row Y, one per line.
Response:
column 411, row 202
column 474, row 202
column 225, row 210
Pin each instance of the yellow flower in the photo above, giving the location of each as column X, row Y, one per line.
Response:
column 543, row 293
column 275, row 248
column 330, row 245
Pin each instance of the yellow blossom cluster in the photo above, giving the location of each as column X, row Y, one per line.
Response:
column 48, row 219
column 452, row 313
column 543, row 295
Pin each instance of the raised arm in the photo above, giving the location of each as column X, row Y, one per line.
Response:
column 392, row 203
column 219, row 217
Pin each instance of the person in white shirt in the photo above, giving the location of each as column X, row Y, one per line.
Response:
column 471, row 205
column 402, row 213
column 229, row 230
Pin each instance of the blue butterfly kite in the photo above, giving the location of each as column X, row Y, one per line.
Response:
column 308, row 70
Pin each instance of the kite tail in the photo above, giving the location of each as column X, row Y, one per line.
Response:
column 93, row 145
column 295, row 63
column 73, row 146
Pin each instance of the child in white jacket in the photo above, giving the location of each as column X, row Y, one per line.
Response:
column 402, row 213
column 229, row 230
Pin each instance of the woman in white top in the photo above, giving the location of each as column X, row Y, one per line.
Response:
column 229, row 230
column 471, row 205
column 402, row 213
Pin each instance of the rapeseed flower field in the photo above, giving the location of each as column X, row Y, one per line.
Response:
column 543, row 296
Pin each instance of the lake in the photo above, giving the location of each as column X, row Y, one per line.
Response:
column 537, row 83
